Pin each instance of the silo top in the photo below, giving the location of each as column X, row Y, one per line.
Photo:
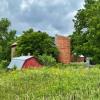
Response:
column 14, row 44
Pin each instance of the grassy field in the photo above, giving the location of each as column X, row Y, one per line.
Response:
column 56, row 83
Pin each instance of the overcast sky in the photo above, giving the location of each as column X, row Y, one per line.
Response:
column 52, row 16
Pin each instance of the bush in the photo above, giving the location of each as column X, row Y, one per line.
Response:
column 96, row 59
column 3, row 64
column 73, row 65
column 47, row 60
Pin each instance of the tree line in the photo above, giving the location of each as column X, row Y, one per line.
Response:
column 37, row 43
column 85, row 39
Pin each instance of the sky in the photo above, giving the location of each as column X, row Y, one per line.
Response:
column 51, row 16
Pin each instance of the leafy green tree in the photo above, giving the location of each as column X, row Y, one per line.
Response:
column 86, row 38
column 6, row 38
column 36, row 43
column 47, row 60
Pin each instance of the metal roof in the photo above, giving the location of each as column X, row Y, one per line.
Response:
column 81, row 56
column 15, row 43
column 22, row 57
column 18, row 61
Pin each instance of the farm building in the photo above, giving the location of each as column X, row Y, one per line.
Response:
column 63, row 45
column 24, row 62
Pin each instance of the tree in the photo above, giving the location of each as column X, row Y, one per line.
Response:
column 6, row 38
column 47, row 60
column 36, row 43
column 86, row 38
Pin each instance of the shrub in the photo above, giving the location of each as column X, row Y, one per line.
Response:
column 47, row 60
column 73, row 65
column 3, row 64
column 96, row 59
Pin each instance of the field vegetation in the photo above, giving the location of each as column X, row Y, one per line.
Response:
column 60, row 82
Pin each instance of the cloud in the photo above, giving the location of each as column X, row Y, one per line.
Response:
column 45, row 15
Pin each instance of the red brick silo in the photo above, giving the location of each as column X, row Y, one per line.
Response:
column 63, row 45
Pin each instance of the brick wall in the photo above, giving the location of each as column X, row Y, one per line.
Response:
column 63, row 45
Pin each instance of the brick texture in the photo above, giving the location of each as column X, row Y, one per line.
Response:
column 63, row 45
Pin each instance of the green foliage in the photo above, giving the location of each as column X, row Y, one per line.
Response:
column 86, row 38
column 14, row 68
column 47, row 60
column 75, row 65
column 51, row 84
column 6, row 38
column 3, row 64
column 36, row 43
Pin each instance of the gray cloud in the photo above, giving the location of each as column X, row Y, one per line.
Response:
column 46, row 15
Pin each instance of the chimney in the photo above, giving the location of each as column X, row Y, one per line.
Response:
column 63, row 45
column 13, row 50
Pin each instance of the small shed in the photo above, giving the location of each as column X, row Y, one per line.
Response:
column 81, row 58
column 24, row 62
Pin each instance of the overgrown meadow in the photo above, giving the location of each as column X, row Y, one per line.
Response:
column 61, row 82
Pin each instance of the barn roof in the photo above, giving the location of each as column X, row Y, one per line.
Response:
column 18, row 61
column 22, row 57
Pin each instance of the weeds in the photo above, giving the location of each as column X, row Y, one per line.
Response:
column 51, row 84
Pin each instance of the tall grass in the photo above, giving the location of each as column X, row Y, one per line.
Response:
column 51, row 84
